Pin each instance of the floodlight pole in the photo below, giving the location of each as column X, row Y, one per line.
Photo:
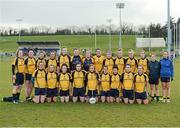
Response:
column 149, row 38
column 179, row 37
column 120, row 6
column 19, row 23
column 95, row 41
column 174, row 43
column 169, row 29
column 176, row 36
column 109, row 21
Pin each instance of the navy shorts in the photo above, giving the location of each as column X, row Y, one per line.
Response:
column 40, row 91
column 51, row 92
column 153, row 81
column 78, row 92
column 128, row 94
column 28, row 76
column 114, row 93
column 165, row 79
column 64, row 93
column 19, row 79
column 141, row 95
column 92, row 93
column 105, row 93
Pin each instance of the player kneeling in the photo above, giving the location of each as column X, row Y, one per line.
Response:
column 127, row 81
column 141, row 88
column 52, row 84
column 115, row 85
column 92, row 79
column 105, row 85
column 64, row 83
column 78, row 79
column 39, row 80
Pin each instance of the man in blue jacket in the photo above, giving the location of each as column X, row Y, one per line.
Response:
column 166, row 74
column 154, row 75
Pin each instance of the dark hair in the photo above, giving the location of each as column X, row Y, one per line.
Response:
column 78, row 63
column 98, row 49
column 115, row 67
column 64, row 65
column 105, row 66
column 75, row 49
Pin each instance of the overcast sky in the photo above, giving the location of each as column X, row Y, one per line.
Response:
column 81, row 12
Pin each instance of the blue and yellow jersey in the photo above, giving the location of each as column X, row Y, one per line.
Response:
column 115, row 81
column 127, row 80
column 40, row 60
column 133, row 63
column 144, row 63
column 109, row 63
column 105, row 82
column 64, row 59
column 98, row 62
column 30, row 65
column 78, row 78
column 120, row 62
column 52, row 80
column 53, row 62
column 40, row 78
column 18, row 65
column 64, row 81
column 86, row 62
column 140, row 82
column 92, row 80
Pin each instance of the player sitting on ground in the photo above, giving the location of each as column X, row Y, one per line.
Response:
column 141, row 86
column 127, row 81
column 64, row 83
column 105, row 85
column 52, row 84
column 78, row 79
column 92, row 79
column 115, row 85
column 39, row 80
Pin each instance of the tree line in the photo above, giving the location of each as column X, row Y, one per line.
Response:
column 152, row 30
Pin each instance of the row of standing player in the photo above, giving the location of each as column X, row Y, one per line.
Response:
column 98, row 60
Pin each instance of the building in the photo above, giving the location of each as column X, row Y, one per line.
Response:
column 37, row 46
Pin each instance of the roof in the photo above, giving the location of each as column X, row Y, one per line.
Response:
column 150, row 42
column 38, row 43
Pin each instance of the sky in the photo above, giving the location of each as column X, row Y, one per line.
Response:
column 63, row 13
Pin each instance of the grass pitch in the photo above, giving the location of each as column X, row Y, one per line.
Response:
column 84, row 114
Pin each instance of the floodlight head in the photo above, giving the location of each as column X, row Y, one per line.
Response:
column 120, row 5
column 18, row 20
column 109, row 20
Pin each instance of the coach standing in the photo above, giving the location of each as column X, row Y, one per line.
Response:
column 166, row 74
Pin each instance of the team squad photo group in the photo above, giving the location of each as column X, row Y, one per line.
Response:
column 91, row 78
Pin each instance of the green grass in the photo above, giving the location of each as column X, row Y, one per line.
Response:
column 70, row 41
column 83, row 114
